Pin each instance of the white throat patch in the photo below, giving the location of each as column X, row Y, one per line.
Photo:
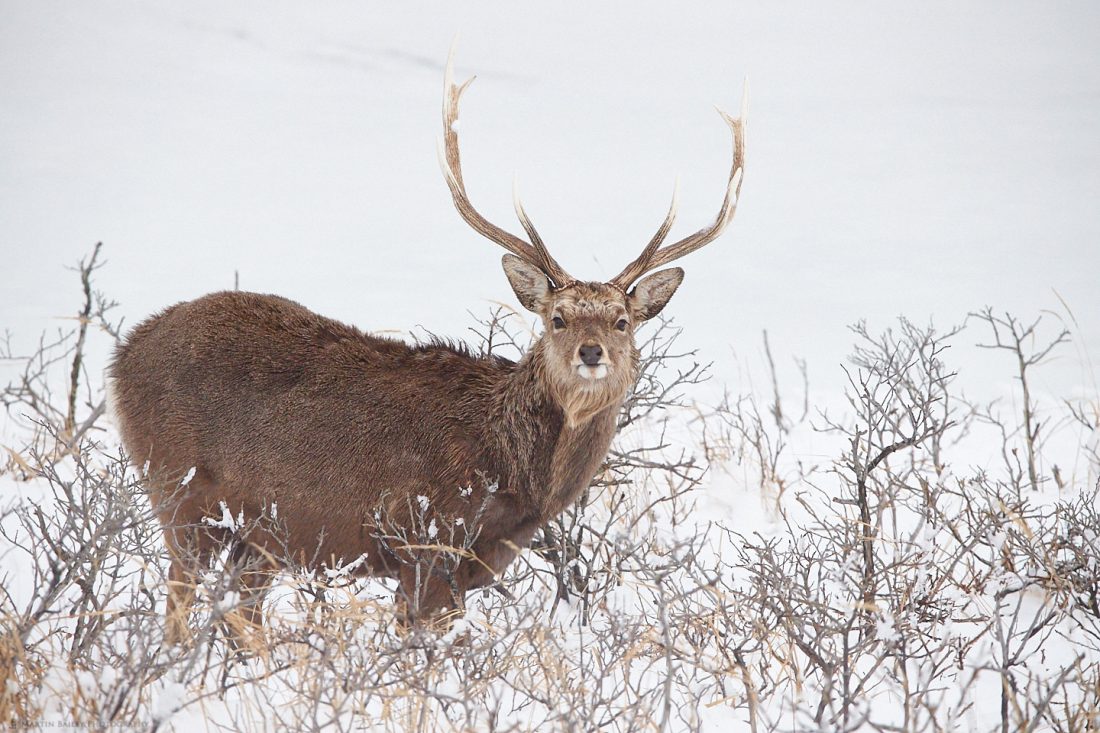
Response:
column 593, row 373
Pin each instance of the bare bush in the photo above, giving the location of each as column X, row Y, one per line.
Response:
column 897, row 587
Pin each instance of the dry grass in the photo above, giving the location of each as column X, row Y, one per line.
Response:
column 898, row 589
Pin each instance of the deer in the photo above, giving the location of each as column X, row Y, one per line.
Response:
column 237, row 404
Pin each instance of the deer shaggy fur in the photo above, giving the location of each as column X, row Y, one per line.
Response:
column 241, row 403
column 266, row 403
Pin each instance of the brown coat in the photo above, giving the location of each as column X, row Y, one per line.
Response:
column 271, row 403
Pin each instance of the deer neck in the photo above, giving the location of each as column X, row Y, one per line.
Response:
column 557, row 440
column 578, row 455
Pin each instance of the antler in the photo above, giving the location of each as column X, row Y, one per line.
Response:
column 535, row 252
column 654, row 256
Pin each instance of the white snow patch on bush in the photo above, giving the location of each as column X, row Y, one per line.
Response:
column 227, row 602
column 342, row 571
column 167, row 699
column 227, row 521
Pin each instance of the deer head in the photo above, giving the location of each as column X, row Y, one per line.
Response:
column 587, row 348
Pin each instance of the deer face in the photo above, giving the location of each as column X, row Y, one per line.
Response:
column 587, row 349
column 587, row 345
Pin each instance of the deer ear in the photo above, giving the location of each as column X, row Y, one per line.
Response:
column 651, row 293
column 529, row 283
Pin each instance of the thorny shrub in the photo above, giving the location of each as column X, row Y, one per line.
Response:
column 903, row 586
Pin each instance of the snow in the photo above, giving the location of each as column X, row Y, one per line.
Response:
column 227, row 602
column 167, row 699
column 343, row 570
column 227, row 520
column 460, row 628
column 927, row 159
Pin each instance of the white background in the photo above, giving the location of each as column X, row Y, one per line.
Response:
column 923, row 159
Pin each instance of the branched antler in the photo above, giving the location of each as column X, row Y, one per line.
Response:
column 654, row 256
column 534, row 252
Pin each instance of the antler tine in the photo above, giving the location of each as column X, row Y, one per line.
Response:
column 451, row 162
column 639, row 266
column 653, row 257
column 545, row 261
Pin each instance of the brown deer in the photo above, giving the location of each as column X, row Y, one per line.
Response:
column 249, row 404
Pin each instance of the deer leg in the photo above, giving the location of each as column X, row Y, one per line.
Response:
column 188, row 558
column 484, row 569
column 252, row 577
column 426, row 597
column 491, row 558
column 189, row 546
column 181, row 597
column 253, row 588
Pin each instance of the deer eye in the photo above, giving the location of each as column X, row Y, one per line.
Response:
column 558, row 322
column 622, row 324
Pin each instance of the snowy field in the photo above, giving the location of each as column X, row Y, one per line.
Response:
column 918, row 160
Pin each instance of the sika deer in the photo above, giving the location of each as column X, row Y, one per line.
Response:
column 357, row 439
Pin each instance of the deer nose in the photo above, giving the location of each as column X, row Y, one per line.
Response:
column 590, row 355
